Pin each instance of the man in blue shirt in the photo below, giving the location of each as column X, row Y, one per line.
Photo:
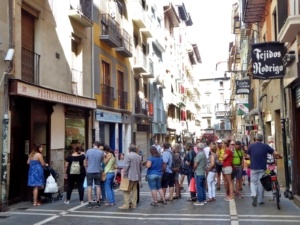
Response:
column 93, row 160
column 167, row 177
column 257, row 153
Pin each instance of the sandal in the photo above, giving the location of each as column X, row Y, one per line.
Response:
column 169, row 199
column 164, row 203
column 177, row 197
column 154, row 204
column 37, row 204
column 210, row 200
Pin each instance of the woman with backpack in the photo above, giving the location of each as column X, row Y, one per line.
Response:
column 75, row 173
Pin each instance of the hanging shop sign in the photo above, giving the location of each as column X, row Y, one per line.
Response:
column 242, row 87
column 267, row 59
column 243, row 109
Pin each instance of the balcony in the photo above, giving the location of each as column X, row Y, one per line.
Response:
column 30, row 66
column 140, row 61
column 139, row 16
column 150, row 70
column 122, row 99
column 107, row 93
column 142, row 106
column 76, row 82
column 126, row 47
column 171, row 12
column 148, row 30
column 110, row 31
column 82, row 12
column 253, row 10
column 288, row 24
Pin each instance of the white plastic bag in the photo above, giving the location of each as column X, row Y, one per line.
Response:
column 51, row 185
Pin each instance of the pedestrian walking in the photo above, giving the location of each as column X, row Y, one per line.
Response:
column 167, row 177
column 109, row 170
column 238, row 164
column 154, row 175
column 188, row 167
column 200, row 163
column 220, row 153
column 93, row 161
column 227, row 170
column 132, row 171
column 36, row 173
column 258, row 153
column 211, row 175
column 75, row 173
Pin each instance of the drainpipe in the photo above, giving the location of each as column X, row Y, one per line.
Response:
column 5, row 120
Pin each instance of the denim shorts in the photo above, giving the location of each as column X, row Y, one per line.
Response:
column 93, row 177
column 154, row 181
column 227, row 170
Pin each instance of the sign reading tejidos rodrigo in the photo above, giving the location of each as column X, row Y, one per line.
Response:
column 242, row 87
column 267, row 59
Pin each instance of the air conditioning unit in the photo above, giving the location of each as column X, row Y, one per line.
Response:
column 289, row 58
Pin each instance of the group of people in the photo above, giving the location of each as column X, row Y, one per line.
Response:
column 100, row 167
column 204, row 165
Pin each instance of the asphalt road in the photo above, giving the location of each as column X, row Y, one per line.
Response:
column 177, row 212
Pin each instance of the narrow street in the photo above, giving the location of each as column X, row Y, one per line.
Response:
column 239, row 211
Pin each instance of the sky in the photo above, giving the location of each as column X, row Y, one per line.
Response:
column 211, row 30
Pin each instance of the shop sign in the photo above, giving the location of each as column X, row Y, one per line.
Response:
column 37, row 92
column 267, row 59
column 242, row 87
column 107, row 116
column 243, row 109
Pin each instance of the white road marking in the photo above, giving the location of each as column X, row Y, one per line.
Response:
column 233, row 213
column 45, row 210
column 46, row 220
column 32, row 213
column 149, row 218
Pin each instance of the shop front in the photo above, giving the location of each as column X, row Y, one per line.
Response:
column 109, row 129
column 57, row 120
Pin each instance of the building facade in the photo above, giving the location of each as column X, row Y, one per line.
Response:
column 48, row 88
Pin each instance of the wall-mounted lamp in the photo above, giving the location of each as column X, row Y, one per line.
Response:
column 9, row 55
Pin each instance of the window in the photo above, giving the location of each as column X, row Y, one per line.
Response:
column 135, row 40
column 76, row 66
column 120, row 8
column 221, row 97
column 144, row 49
column 208, row 123
column 222, row 125
column 105, row 73
column 145, row 91
column 221, row 84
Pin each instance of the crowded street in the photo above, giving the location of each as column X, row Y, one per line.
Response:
column 177, row 212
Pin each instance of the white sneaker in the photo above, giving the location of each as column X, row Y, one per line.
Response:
column 67, row 202
column 82, row 203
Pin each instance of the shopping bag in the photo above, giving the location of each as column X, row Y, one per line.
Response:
column 51, row 185
column 124, row 186
column 85, row 183
column 192, row 187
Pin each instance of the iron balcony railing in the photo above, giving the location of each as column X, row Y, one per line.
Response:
column 30, row 66
column 107, row 93
column 122, row 99
column 111, row 28
column 126, row 40
column 141, row 106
